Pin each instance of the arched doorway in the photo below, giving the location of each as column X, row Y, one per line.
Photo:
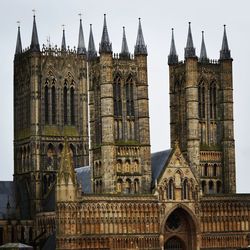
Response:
column 174, row 243
column 180, row 231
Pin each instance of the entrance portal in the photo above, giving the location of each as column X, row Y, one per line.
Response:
column 174, row 244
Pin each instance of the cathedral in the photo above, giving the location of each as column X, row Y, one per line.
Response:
column 84, row 174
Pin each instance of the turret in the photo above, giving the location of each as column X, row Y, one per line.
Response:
column 91, row 47
column 81, row 44
column 140, row 47
column 105, row 45
column 225, row 52
column 124, row 50
column 34, row 46
column 189, row 50
column 172, row 57
column 63, row 46
column 18, row 42
column 203, row 54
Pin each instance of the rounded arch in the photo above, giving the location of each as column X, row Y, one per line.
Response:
column 175, row 243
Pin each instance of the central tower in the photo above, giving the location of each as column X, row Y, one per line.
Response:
column 119, row 117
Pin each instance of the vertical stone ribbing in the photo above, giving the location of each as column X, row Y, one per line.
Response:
column 193, row 141
column 228, row 126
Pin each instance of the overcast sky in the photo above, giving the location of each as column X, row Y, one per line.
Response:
column 158, row 17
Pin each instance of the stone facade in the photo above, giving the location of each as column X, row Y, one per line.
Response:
column 183, row 198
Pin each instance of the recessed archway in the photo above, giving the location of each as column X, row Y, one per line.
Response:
column 180, row 230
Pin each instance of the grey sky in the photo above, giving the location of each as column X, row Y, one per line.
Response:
column 158, row 17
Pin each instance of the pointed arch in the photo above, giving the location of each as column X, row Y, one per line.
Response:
column 202, row 99
column 72, row 105
column 212, row 100
column 117, row 96
column 53, row 103
column 46, row 102
column 130, row 96
column 65, row 103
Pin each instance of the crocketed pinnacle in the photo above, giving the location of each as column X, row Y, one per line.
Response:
column 66, row 168
column 124, row 51
column 105, row 45
column 189, row 50
column 225, row 52
column 172, row 57
column 91, row 48
column 63, row 46
column 140, row 47
column 203, row 54
column 18, row 42
column 34, row 46
column 81, row 44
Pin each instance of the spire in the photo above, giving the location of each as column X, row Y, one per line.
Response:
column 225, row 52
column 18, row 42
column 63, row 46
column 140, row 47
column 105, row 45
column 172, row 57
column 203, row 54
column 81, row 44
column 124, row 51
column 189, row 50
column 34, row 46
column 91, row 48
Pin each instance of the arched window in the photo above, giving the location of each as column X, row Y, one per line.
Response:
column 185, row 189
column 119, row 185
column 128, row 186
column 171, row 190
column 136, row 186
column 130, row 97
column 218, row 187
column 65, row 104
column 215, row 170
column 206, row 169
column 46, row 103
column 203, row 186
column 97, row 106
column 53, row 97
column 201, row 99
column 211, row 187
column 117, row 96
column 212, row 95
column 72, row 105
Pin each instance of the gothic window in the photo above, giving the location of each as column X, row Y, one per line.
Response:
column 185, row 189
column 203, row 186
column 130, row 97
column 212, row 95
column 215, row 170
column 72, row 105
column 46, row 103
column 127, row 166
column 119, row 185
column 65, row 103
column 206, row 170
column 218, row 187
column 211, row 187
column 171, row 190
column 136, row 166
column 136, row 186
column 119, row 166
column 53, row 102
column 97, row 105
column 50, row 157
column 201, row 100
column 128, row 186
column 117, row 96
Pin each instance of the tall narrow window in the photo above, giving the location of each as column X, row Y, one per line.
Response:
column 72, row 105
column 212, row 94
column 117, row 97
column 201, row 99
column 46, row 103
column 53, row 96
column 98, row 119
column 130, row 97
column 171, row 190
column 65, row 104
column 185, row 189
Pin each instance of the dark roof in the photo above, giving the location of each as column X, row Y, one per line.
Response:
column 7, row 194
column 83, row 175
column 158, row 161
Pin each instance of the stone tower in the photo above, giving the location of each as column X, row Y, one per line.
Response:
column 119, row 117
column 50, row 103
column 201, row 111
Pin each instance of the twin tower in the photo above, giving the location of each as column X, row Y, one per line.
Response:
column 77, row 94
